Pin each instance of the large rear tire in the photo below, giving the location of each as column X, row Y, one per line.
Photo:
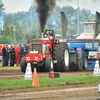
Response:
column 61, row 54
column 23, row 65
column 74, row 67
column 48, row 64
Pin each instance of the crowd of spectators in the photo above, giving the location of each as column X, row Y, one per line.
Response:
column 13, row 54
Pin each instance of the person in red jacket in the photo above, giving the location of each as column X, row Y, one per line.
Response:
column 17, row 51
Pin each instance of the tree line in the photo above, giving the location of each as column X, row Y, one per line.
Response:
column 54, row 22
column 18, row 28
column 20, row 33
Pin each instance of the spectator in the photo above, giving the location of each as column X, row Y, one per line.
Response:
column 11, row 45
column 27, row 49
column 4, row 55
column 15, row 46
column 12, row 51
column 17, row 51
column 15, row 54
column 7, row 47
column 22, row 51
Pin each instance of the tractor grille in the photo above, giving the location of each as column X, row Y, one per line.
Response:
column 36, row 47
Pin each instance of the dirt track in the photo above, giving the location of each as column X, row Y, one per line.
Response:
column 17, row 74
column 77, row 93
column 67, row 92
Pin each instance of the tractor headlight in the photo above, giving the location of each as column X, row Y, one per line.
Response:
column 36, row 58
column 28, row 58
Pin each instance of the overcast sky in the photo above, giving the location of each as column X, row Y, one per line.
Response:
column 13, row 6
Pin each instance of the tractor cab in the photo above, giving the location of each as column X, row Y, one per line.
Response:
column 49, row 34
column 89, row 31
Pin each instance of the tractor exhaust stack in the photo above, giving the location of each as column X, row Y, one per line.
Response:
column 41, row 34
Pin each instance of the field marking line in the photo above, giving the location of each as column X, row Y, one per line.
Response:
column 39, row 97
column 62, row 90
column 32, row 97
column 12, row 76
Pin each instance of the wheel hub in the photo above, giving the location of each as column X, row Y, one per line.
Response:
column 66, row 57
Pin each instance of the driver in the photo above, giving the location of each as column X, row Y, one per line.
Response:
column 49, row 35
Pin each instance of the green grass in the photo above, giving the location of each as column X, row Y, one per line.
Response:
column 47, row 82
column 9, row 67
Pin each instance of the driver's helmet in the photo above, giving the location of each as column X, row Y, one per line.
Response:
column 48, row 33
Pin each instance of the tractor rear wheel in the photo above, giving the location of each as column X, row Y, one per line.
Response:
column 74, row 67
column 23, row 64
column 48, row 64
column 61, row 54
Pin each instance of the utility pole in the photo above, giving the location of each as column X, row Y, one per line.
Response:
column 78, row 16
column 31, row 11
column 2, row 16
column 2, row 21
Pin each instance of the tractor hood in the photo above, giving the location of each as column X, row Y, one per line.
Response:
column 85, row 36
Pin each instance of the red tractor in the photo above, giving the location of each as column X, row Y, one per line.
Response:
column 47, row 53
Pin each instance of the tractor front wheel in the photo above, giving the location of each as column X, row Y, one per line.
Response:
column 23, row 64
column 48, row 64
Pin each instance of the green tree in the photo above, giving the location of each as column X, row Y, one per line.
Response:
column 26, row 30
column 38, row 31
column 1, row 4
column 35, row 30
column 54, row 21
column 19, row 31
column 12, row 32
column 7, row 30
column 86, row 15
column 0, row 40
column 6, row 40
column 72, row 30
column 69, row 10
column 57, row 30
column 8, row 19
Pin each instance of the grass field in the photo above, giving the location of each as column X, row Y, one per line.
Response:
column 47, row 82
column 9, row 67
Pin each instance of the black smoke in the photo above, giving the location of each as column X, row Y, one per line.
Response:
column 44, row 10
